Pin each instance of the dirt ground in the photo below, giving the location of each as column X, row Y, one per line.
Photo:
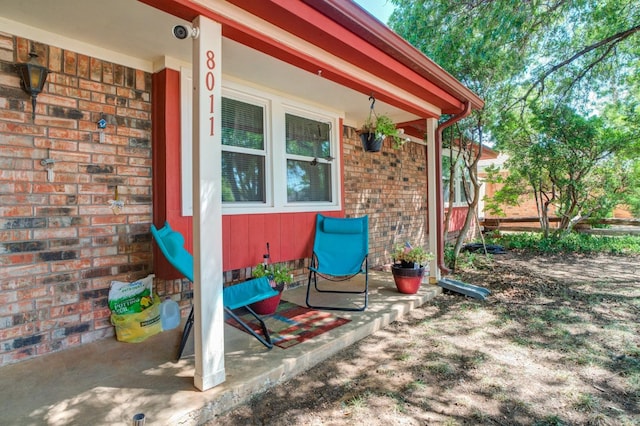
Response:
column 556, row 343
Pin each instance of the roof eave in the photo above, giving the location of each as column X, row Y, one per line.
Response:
column 360, row 22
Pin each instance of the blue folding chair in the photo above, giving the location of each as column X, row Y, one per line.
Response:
column 171, row 244
column 340, row 252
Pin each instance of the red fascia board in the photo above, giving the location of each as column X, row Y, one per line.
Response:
column 183, row 9
column 314, row 27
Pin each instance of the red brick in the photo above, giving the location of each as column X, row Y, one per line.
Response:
column 96, row 69
column 12, row 211
column 83, row 66
column 22, row 129
column 44, row 234
column 61, row 101
column 17, row 259
column 24, row 271
column 55, row 59
column 70, row 62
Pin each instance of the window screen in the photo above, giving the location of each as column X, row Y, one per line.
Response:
column 308, row 146
column 243, row 152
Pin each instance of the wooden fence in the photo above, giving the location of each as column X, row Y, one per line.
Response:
column 532, row 224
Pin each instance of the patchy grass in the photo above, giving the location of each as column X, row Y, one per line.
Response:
column 556, row 343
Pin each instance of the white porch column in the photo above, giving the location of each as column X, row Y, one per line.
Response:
column 207, row 205
column 433, row 185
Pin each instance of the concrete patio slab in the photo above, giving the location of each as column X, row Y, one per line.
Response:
column 108, row 382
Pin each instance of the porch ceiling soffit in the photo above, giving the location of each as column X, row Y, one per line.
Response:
column 300, row 35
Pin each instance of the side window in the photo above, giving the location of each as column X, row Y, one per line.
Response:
column 308, row 155
column 459, row 193
column 446, row 174
column 243, row 152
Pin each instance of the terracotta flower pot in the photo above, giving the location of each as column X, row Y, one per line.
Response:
column 408, row 280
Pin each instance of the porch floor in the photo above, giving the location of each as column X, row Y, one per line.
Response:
column 107, row 382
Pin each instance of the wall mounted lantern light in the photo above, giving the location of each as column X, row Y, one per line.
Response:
column 32, row 78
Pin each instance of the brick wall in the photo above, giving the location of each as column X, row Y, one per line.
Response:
column 391, row 187
column 60, row 242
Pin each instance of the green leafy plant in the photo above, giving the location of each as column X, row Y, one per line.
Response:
column 278, row 274
column 408, row 255
column 383, row 126
column 571, row 243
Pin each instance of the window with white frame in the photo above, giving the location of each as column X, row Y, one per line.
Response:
column 308, row 153
column 244, row 152
column 459, row 193
column 278, row 155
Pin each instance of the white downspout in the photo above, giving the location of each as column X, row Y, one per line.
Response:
column 432, row 200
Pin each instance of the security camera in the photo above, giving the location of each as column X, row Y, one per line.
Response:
column 181, row 32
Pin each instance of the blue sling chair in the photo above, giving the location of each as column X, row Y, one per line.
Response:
column 340, row 252
column 171, row 244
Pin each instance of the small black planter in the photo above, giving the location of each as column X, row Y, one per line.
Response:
column 370, row 143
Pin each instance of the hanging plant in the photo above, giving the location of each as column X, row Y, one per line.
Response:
column 377, row 128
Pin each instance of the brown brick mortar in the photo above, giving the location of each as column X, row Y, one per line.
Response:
column 60, row 242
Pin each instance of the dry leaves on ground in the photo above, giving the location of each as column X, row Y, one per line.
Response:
column 557, row 343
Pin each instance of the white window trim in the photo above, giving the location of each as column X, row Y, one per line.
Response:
column 276, row 105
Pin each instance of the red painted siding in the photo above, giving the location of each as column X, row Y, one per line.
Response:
column 166, row 165
column 457, row 218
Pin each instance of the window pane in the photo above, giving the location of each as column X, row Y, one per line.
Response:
column 243, row 177
column 307, row 137
column 461, row 197
column 446, row 170
column 307, row 182
column 445, row 189
column 242, row 124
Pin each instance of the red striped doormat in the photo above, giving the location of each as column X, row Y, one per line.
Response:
column 292, row 324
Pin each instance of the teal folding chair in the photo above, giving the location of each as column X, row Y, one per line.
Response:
column 340, row 252
column 241, row 295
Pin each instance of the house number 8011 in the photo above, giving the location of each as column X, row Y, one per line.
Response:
column 210, row 83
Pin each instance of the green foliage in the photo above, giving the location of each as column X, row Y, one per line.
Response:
column 466, row 260
column 571, row 243
column 383, row 126
column 568, row 161
column 526, row 58
column 279, row 273
column 512, row 189
column 410, row 255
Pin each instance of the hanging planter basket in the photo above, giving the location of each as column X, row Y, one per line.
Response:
column 371, row 140
column 371, row 143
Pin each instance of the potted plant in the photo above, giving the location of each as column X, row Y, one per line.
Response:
column 408, row 267
column 376, row 129
column 279, row 275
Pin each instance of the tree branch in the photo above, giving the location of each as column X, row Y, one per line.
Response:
column 613, row 40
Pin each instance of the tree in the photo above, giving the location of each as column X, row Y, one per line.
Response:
column 577, row 53
column 569, row 161
column 432, row 28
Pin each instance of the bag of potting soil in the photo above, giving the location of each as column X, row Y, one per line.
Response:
column 136, row 327
column 131, row 298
